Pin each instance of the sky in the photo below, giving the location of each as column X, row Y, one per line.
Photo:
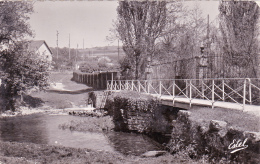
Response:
column 90, row 21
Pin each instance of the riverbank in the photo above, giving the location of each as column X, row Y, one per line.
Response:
column 28, row 153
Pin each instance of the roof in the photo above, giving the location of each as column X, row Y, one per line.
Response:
column 36, row 44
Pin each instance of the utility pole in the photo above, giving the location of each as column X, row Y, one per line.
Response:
column 77, row 53
column 208, row 34
column 57, row 44
column 118, row 50
column 69, row 47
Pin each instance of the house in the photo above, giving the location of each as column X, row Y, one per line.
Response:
column 41, row 48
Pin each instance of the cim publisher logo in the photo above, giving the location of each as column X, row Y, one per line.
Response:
column 237, row 145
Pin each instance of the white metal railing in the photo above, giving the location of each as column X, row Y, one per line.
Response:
column 241, row 91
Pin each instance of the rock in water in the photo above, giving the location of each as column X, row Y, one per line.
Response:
column 153, row 153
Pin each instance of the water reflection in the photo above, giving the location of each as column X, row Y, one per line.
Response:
column 44, row 129
column 23, row 129
column 131, row 143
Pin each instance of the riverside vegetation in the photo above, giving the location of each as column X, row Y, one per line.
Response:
column 13, row 152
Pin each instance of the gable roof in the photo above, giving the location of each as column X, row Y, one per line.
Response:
column 36, row 44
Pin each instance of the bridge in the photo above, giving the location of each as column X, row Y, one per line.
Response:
column 235, row 93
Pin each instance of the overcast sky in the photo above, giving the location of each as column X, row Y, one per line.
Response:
column 88, row 20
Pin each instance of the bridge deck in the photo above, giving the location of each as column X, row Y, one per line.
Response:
column 168, row 100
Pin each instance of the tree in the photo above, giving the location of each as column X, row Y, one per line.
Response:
column 239, row 29
column 20, row 69
column 184, row 33
column 139, row 24
column 13, row 21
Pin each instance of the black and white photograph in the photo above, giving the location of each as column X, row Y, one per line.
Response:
column 129, row 81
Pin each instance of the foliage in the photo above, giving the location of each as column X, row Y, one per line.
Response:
column 21, row 70
column 89, row 66
column 138, row 30
column 14, row 17
column 180, row 43
column 92, row 124
column 134, row 101
column 63, row 60
column 239, row 29
column 102, row 62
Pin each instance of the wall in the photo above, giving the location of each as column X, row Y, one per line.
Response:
column 133, row 111
column 141, row 113
column 45, row 52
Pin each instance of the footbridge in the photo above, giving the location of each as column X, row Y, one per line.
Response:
column 234, row 93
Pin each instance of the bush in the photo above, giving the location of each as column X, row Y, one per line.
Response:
column 132, row 111
column 132, row 101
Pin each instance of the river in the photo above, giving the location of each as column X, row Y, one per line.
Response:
column 44, row 129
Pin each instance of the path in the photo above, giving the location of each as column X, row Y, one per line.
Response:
column 63, row 93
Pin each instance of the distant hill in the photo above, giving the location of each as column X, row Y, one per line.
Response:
column 95, row 52
column 109, row 51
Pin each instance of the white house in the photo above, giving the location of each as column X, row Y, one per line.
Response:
column 41, row 48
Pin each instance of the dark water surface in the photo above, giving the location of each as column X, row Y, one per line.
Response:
column 44, row 129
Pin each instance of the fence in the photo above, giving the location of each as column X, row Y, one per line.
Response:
column 203, row 67
column 241, row 91
column 97, row 80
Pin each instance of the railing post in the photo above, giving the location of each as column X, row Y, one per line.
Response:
column 213, row 93
column 244, row 95
column 108, row 85
column 250, row 91
column 223, row 90
column 173, row 88
column 203, row 89
column 145, row 85
column 173, row 91
column 139, row 86
column 115, row 86
column 126, row 84
column 148, row 86
column 186, row 84
column 120, row 87
column 160, row 88
column 190, row 93
column 132, row 85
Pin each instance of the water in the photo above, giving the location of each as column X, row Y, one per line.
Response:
column 44, row 129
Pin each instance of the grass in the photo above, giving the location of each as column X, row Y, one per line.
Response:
column 92, row 124
column 235, row 118
column 28, row 153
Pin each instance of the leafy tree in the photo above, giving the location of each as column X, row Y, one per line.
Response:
column 138, row 26
column 184, row 33
column 20, row 69
column 13, row 21
column 239, row 29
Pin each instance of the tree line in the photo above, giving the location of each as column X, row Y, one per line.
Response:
column 163, row 31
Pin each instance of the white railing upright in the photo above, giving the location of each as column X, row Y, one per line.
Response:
column 242, row 91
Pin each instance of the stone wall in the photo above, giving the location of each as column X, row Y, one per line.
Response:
column 186, row 134
column 140, row 113
column 217, row 141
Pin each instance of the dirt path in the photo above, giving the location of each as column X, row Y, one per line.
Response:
column 63, row 93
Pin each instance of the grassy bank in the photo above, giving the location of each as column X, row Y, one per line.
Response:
column 27, row 153
column 92, row 124
column 235, row 118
